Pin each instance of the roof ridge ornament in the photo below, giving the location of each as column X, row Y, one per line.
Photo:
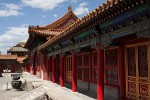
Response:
column 69, row 8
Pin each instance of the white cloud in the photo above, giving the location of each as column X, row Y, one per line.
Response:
column 12, row 36
column 74, row 1
column 43, row 4
column 83, row 4
column 9, row 10
column 55, row 15
column 12, row 6
column 82, row 9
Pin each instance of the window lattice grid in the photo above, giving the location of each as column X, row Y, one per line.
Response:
column 79, row 60
column 112, row 57
column 86, row 73
column 79, row 73
column 143, row 61
column 131, row 62
column 111, row 61
column 86, row 60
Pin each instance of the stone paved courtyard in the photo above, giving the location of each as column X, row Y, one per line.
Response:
column 10, row 93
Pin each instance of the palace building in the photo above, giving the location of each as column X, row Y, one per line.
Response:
column 106, row 52
column 13, row 61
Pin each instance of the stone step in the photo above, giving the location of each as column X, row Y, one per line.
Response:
column 34, row 94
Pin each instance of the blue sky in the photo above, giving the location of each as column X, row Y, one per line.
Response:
column 17, row 15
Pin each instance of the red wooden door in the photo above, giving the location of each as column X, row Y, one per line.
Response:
column 68, row 68
column 138, row 72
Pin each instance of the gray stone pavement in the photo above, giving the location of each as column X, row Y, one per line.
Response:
column 13, row 94
column 52, row 90
column 10, row 93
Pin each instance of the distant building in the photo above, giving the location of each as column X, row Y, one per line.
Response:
column 14, row 58
column 18, row 50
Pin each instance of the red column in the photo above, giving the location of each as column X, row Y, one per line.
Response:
column 53, row 70
column 100, row 73
column 74, row 73
column 61, row 71
column 121, row 72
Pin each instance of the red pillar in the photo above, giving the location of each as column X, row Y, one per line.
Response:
column 122, row 78
column 100, row 73
column 74, row 72
column 61, row 71
column 53, row 70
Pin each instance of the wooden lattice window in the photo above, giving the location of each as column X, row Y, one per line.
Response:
column 131, row 61
column 83, row 66
column 80, row 73
column 111, row 59
column 79, row 66
column 143, row 61
column 79, row 60
column 86, row 65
